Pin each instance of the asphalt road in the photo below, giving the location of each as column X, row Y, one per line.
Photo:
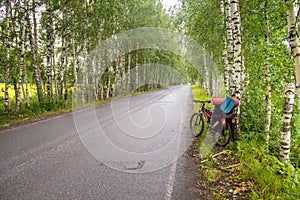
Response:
column 131, row 148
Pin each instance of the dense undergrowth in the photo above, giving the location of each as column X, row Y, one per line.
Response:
column 272, row 179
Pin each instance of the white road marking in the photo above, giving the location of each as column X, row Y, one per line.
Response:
column 170, row 184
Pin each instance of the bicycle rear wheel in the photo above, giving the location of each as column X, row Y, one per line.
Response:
column 197, row 124
column 223, row 137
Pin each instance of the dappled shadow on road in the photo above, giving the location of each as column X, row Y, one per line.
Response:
column 218, row 176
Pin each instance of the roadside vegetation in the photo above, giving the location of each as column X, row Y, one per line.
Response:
column 245, row 168
column 254, row 43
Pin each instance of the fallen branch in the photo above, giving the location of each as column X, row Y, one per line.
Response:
column 229, row 168
column 232, row 166
column 215, row 155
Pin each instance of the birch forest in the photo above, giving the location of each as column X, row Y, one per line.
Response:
column 253, row 44
column 256, row 45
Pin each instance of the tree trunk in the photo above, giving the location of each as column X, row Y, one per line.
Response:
column 34, row 50
column 66, row 73
column 137, row 85
column 21, row 62
column 108, row 93
column 129, row 73
column 54, row 70
column 206, row 74
column 286, row 127
column 7, row 55
column 229, row 36
column 74, row 66
column 268, row 79
column 94, row 82
column 117, row 80
column 225, row 52
column 123, row 69
column 62, row 55
column 294, row 43
column 26, row 92
column 84, row 52
column 49, row 56
column 237, row 79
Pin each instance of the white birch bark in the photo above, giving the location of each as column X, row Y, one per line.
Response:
column 63, row 53
column 74, row 59
column 36, row 52
column 122, row 65
column 268, row 79
column 84, row 52
column 94, row 82
column 293, row 39
column 26, row 92
column 206, row 75
column 286, row 127
column 7, row 55
column 66, row 72
column 237, row 46
column 34, row 49
column 54, row 70
column 211, row 81
column 49, row 38
column 237, row 66
column 225, row 52
column 137, row 85
column 129, row 73
column 229, row 37
column 108, row 93
column 117, row 71
column 21, row 62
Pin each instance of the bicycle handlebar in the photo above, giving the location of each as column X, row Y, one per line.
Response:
column 199, row 101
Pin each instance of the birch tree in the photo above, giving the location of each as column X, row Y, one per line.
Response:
column 33, row 40
column 85, row 50
column 237, row 66
column 286, row 127
column 268, row 77
column 293, row 39
column 7, row 54
column 21, row 60
column 206, row 74
column 49, row 49
column 229, row 37
column 74, row 62
column 225, row 63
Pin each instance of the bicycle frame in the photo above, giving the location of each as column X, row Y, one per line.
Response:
column 221, row 124
column 207, row 113
column 229, row 118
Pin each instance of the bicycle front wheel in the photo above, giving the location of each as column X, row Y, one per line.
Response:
column 223, row 137
column 197, row 124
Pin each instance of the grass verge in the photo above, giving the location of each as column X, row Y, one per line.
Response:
column 245, row 170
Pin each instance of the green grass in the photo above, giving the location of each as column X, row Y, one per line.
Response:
column 200, row 94
column 273, row 179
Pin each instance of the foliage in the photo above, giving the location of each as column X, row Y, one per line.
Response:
column 273, row 179
column 203, row 22
column 103, row 19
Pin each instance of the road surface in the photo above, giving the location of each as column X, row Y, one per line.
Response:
column 66, row 157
